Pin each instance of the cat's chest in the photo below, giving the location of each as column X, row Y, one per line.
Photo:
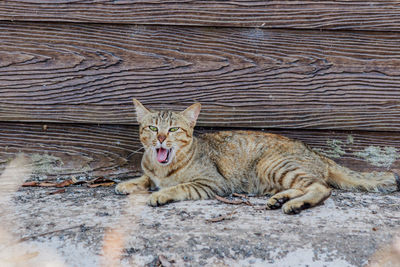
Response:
column 162, row 182
column 165, row 177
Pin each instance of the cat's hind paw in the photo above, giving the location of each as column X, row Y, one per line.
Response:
column 295, row 207
column 279, row 199
column 276, row 203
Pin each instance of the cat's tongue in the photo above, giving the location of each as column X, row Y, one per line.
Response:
column 162, row 154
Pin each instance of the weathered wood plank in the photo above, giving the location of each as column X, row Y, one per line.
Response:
column 114, row 151
column 244, row 77
column 80, row 150
column 360, row 15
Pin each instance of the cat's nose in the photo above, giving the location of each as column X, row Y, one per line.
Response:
column 161, row 137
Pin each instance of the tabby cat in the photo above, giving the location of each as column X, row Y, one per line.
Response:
column 186, row 167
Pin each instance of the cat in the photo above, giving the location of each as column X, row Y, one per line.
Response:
column 185, row 167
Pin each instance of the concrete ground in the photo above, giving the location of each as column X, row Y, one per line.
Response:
column 94, row 227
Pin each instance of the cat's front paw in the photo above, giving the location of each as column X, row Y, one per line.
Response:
column 129, row 187
column 159, row 198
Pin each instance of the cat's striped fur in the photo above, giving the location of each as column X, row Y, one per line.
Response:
column 186, row 167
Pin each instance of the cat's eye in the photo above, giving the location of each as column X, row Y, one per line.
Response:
column 174, row 129
column 153, row 128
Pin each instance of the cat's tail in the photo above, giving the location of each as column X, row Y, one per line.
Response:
column 344, row 178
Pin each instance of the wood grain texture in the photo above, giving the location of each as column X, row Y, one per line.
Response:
column 359, row 15
column 243, row 77
column 59, row 151
column 82, row 150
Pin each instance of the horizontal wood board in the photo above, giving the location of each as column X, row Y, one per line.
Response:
column 348, row 15
column 59, row 151
column 82, row 150
column 243, row 77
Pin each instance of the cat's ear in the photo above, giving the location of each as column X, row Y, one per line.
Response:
column 192, row 113
column 141, row 111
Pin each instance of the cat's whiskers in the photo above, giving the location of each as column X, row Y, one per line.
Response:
column 135, row 152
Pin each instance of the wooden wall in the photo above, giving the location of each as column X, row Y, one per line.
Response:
column 325, row 72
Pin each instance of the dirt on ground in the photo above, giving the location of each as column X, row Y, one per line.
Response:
column 82, row 226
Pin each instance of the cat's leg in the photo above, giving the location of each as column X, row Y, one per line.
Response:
column 186, row 191
column 302, row 189
column 277, row 200
column 314, row 194
column 134, row 185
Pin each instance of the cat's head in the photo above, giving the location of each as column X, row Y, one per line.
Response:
column 164, row 134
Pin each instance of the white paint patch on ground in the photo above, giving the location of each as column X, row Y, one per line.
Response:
column 38, row 254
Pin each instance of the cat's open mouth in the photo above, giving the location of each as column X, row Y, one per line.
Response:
column 163, row 155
